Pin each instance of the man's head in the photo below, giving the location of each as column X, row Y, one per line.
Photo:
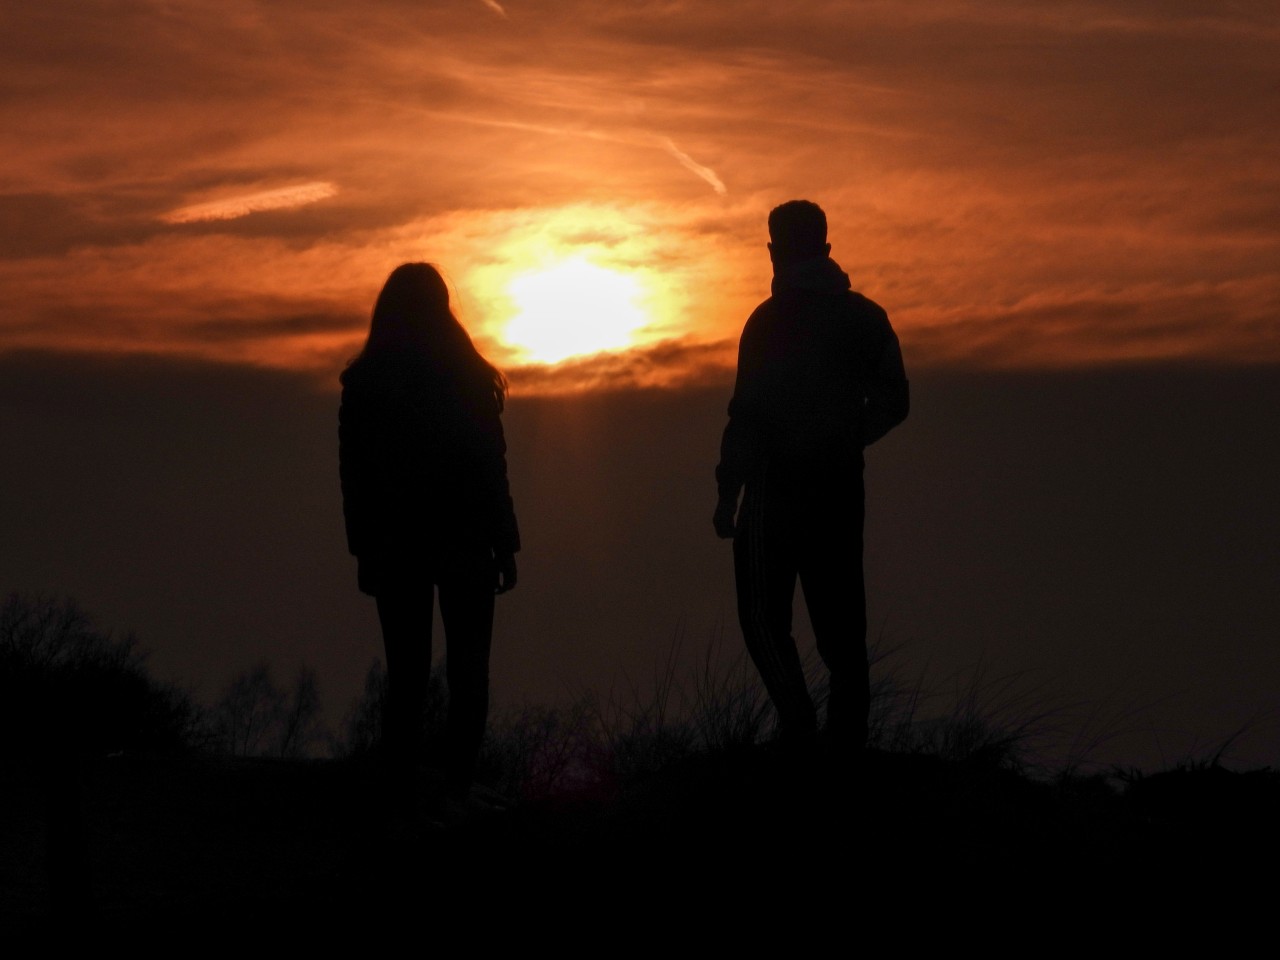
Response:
column 797, row 231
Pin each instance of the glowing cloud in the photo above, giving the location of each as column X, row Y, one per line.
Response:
column 1005, row 180
column 232, row 208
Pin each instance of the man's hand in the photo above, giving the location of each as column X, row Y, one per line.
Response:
column 723, row 519
column 505, row 573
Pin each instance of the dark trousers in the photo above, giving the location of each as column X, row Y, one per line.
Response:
column 466, row 609
column 807, row 526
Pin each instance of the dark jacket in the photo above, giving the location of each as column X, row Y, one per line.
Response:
column 820, row 377
column 422, row 460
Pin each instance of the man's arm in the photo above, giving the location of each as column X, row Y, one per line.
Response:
column 888, row 399
column 739, row 445
column 735, row 451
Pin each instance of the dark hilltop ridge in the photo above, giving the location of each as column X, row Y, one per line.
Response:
column 233, row 841
column 128, row 806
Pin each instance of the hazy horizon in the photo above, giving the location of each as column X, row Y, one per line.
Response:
column 1035, row 524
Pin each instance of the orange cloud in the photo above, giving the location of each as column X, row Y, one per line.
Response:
column 1022, row 183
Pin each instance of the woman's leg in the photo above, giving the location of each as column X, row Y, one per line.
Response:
column 405, row 615
column 466, row 609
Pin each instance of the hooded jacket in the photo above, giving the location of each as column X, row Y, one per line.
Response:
column 820, row 377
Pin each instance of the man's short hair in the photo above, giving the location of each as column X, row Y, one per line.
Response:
column 798, row 226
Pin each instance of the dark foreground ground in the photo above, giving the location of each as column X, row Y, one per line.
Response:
column 744, row 841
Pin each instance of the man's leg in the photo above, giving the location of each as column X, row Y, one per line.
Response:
column 835, row 593
column 765, row 572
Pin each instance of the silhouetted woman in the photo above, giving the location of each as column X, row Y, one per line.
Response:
column 425, row 496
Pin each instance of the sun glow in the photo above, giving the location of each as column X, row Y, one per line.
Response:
column 572, row 309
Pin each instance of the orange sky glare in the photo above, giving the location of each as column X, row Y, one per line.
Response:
column 1019, row 184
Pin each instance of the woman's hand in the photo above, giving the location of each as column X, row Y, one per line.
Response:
column 723, row 518
column 505, row 573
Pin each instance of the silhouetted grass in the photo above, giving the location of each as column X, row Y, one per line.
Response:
column 599, row 743
column 715, row 704
column 671, row 776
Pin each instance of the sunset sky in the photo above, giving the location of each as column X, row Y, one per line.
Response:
column 201, row 199
column 1020, row 183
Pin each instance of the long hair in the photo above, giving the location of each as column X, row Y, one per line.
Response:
column 412, row 320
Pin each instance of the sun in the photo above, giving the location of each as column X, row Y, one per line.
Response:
column 572, row 309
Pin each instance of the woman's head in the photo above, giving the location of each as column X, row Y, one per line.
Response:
column 412, row 313
column 412, row 318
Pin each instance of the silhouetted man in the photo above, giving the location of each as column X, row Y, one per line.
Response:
column 820, row 377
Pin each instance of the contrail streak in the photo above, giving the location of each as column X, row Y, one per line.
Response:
column 233, row 208
column 693, row 166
